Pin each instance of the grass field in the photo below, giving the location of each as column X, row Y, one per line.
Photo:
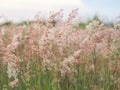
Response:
column 56, row 54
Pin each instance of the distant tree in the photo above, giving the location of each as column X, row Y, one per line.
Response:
column 7, row 23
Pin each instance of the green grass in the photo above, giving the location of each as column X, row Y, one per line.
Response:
column 37, row 79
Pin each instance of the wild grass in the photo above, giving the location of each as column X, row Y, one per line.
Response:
column 60, row 56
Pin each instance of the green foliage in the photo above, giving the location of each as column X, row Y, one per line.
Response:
column 7, row 23
column 26, row 23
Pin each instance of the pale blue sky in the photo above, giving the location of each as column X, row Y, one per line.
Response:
column 17, row 10
column 109, row 8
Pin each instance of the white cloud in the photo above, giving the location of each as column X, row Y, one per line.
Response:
column 38, row 4
column 22, row 8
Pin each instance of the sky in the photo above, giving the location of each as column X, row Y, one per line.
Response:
column 107, row 8
column 18, row 10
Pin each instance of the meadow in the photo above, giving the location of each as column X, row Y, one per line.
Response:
column 56, row 54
